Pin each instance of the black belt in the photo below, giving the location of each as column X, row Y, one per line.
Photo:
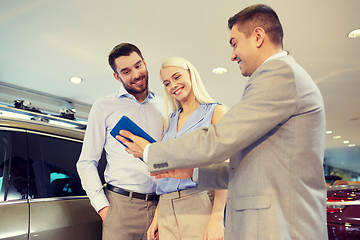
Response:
column 146, row 197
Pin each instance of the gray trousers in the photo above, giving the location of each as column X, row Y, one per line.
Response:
column 127, row 218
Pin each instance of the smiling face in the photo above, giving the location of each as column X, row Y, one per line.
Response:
column 244, row 51
column 177, row 83
column 132, row 72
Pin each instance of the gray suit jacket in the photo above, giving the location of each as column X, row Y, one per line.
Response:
column 274, row 138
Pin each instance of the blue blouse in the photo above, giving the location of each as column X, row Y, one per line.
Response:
column 201, row 117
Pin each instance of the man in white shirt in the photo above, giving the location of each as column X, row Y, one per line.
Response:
column 128, row 202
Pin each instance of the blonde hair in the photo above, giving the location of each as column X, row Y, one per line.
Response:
column 201, row 95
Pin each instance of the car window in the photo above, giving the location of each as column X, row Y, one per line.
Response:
column 53, row 166
column 4, row 156
column 13, row 165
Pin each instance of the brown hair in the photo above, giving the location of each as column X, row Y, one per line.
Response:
column 123, row 49
column 258, row 15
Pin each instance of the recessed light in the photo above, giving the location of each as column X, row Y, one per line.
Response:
column 354, row 34
column 328, row 132
column 219, row 70
column 346, row 142
column 351, row 145
column 336, row 137
column 75, row 80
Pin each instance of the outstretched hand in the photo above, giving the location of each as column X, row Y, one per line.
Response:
column 174, row 173
column 136, row 147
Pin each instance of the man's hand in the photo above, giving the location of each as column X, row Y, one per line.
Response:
column 136, row 147
column 103, row 212
column 174, row 173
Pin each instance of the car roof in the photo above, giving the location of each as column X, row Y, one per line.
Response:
column 343, row 187
column 39, row 122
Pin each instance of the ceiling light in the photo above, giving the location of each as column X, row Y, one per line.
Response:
column 336, row 137
column 351, row 145
column 346, row 142
column 219, row 70
column 354, row 34
column 75, row 80
column 328, row 132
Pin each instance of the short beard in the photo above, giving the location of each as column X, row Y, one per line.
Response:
column 134, row 91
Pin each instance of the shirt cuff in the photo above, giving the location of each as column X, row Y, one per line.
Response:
column 146, row 152
column 99, row 202
column 195, row 177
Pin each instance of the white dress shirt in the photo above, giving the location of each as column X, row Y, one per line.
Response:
column 122, row 169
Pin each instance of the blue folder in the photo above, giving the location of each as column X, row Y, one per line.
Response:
column 126, row 123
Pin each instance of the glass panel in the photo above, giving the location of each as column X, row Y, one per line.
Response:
column 13, row 166
column 53, row 161
column 5, row 140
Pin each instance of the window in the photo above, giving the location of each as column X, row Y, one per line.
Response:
column 13, row 165
column 5, row 139
column 53, row 166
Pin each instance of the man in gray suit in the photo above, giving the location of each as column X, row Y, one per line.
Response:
column 274, row 137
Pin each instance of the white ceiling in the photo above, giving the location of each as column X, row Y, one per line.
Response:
column 43, row 43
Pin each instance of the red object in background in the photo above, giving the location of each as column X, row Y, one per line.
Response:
column 343, row 212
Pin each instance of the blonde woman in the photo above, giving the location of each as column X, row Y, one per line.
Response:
column 183, row 212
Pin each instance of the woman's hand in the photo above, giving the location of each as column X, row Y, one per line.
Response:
column 214, row 229
column 152, row 232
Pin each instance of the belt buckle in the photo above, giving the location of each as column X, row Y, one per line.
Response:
column 130, row 194
column 146, row 197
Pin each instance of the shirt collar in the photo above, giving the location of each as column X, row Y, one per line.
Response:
column 122, row 93
column 277, row 55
